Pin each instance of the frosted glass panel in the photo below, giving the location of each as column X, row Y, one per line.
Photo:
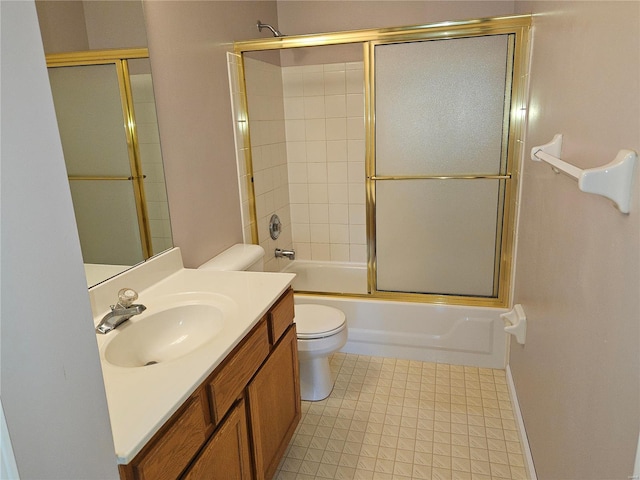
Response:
column 107, row 221
column 90, row 119
column 437, row 236
column 440, row 106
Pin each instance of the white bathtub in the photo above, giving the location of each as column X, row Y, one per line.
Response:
column 416, row 331
column 335, row 277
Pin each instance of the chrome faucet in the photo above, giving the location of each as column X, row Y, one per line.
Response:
column 290, row 254
column 121, row 311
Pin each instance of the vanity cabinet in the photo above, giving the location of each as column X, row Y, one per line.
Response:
column 238, row 422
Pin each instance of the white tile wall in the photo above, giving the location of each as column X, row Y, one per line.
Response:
column 307, row 139
column 324, row 118
column 269, row 156
column 151, row 159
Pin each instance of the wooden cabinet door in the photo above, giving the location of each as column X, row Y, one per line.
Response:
column 274, row 405
column 226, row 455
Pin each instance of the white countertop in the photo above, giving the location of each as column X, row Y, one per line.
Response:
column 141, row 399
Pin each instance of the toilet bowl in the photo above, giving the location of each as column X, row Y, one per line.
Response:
column 321, row 330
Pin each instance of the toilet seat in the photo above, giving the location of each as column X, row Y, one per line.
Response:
column 318, row 321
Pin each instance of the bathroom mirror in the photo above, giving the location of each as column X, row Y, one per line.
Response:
column 104, row 100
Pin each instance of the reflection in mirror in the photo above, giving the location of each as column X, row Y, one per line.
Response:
column 108, row 127
column 148, row 136
column 138, row 207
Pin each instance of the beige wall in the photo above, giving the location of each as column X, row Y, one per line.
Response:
column 62, row 26
column 188, row 41
column 68, row 26
column 115, row 24
column 316, row 16
column 578, row 268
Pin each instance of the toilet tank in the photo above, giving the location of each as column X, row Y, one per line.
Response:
column 239, row 257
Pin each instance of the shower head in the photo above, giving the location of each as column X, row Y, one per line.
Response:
column 276, row 33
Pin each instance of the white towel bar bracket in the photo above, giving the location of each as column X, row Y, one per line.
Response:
column 516, row 321
column 613, row 180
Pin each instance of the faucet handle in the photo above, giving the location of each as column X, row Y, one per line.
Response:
column 126, row 297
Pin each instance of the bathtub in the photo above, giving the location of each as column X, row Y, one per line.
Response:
column 337, row 277
column 415, row 331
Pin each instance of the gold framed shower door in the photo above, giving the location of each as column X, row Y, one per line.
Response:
column 519, row 27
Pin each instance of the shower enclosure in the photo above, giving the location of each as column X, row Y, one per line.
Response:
column 389, row 154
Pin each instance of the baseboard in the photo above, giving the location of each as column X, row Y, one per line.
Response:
column 524, row 441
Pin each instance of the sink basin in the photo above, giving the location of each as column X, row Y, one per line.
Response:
column 164, row 335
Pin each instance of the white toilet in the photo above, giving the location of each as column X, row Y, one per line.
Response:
column 322, row 330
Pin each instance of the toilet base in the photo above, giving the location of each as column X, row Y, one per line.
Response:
column 316, row 382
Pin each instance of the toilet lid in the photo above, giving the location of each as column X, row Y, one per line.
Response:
column 313, row 321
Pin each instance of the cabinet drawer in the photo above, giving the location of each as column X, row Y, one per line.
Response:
column 229, row 382
column 177, row 445
column 281, row 316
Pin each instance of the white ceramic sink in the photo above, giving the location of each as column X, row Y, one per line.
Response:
column 141, row 399
column 163, row 335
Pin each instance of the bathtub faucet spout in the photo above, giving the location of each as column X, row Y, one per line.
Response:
column 290, row 254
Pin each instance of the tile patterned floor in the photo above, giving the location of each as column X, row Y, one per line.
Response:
column 389, row 419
